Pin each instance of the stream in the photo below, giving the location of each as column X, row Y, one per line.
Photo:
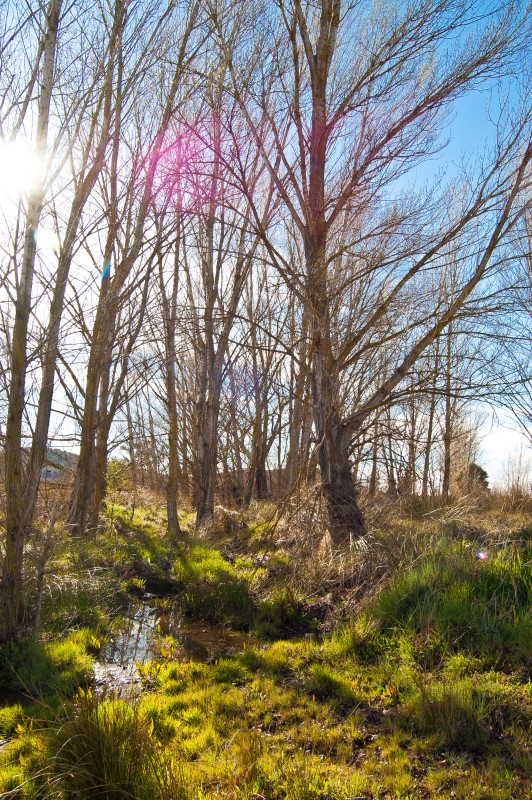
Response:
column 159, row 631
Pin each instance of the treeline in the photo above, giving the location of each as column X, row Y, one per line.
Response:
column 223, row 264
column 422, row 446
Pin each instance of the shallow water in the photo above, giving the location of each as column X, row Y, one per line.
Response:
column 159, row 630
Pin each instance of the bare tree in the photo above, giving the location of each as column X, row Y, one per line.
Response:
column 169, row 311
column 11, row 587
column 507, row 345
column 360, row 104
column 223, row 243
column 126, row 239
column 89, row 164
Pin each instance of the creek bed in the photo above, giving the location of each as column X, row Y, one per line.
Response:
column 159, row 630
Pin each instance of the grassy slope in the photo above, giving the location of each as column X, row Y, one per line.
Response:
column 422, row 691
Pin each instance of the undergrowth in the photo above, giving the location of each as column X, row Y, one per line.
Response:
column 460, row 597
column 422, row 691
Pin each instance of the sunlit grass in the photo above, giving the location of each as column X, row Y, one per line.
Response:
column 422, row 691
column 455, row 600
column 41, row 669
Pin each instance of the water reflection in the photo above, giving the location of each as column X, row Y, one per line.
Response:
column 161, row 630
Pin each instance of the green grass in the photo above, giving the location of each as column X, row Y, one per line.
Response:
column 224, row 593
column 454, row 600
column 212, row 588
column 106, row 749
column 423, row 692
column 10, row 717
column 298, row 719
column 454, row 712
column 43, row 669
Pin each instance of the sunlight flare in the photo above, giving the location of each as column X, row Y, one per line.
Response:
column 20, row 169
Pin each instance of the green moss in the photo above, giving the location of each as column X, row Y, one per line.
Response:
column 71, row 663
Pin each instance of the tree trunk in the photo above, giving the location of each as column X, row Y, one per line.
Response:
column 172, row 483
column 81, row 501
column 153, row 458
column 238, row 472
column 185, row 475
column 11, row 588
column 257, row 478
column 430, row 428
column 300, row 415
column 447, row 432
column 131, row 445
column 261, row 473
column 101, row 405
column 99, row 489
column 346, row 521
column 170, row 322
column 411, row 476
column 345, row 518
column 372, row 488
column 207, row 455
column 390, row 466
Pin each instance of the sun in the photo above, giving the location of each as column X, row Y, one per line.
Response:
column 20, row 169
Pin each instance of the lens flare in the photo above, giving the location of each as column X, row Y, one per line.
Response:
column 47, row 239
column 20, row 169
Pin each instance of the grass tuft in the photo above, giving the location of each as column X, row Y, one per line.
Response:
column 41, row 669
column 107, row 749
column 454, row 713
